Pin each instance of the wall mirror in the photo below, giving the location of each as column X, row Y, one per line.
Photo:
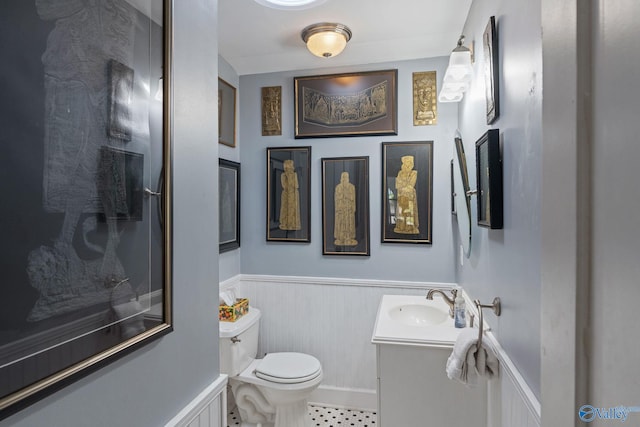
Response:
column 86, row 126
column 461, row 196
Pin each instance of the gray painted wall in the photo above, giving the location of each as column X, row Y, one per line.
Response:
column 149, row 386
column 230, row 261
column 506, row 263
column 388, row 261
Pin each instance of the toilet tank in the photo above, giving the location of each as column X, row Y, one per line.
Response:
column 236, row 356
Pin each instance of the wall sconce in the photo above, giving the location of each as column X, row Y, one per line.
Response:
column 326, row 39
column 158, row 96
column 458, row 75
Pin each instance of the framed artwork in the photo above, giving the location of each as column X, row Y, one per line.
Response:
column 226, row 113
column 345, row 206
column 453, row 189
column 489, row 179
column 289, row 194
column 84, row 284
column 425, row 96
column 407, row 192
column 351, row 104
column 229, row 205
column 120, row 97
column 491, row 71
column 271, row 110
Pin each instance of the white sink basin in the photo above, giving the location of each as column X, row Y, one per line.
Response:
column 414, row 320
column 418, row 314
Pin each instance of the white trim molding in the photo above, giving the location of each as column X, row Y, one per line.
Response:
column 336, row 281
column 208, row 409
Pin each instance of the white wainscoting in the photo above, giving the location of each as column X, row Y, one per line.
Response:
column 208, row 409
column 333, row 319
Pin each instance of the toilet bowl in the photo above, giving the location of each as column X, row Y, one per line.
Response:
column 269, row 392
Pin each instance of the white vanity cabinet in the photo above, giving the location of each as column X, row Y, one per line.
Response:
column 413, row 387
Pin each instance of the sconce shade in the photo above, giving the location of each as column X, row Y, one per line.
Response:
column 458, row 75
column 326, row 39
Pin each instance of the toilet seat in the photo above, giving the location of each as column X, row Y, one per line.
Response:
column 288, row 368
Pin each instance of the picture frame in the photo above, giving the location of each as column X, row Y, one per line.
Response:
column 289, row 194
column 87, row 287
column 491, row 71
column 120, row 97
column 226, row 113
column 489, row 180
column 345, row 206
column 453, row 188
column 348, row 104
column 407, row 192
column 271, row 103
column 229, row 205
column 425, row 98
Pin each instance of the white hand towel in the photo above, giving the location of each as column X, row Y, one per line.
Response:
column 467, row 362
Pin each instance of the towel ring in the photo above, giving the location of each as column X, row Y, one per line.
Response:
column 497, row 310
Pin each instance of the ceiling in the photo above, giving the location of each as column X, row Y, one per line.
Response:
column 256, row 39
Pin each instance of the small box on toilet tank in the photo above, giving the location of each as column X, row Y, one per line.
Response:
column 231, row 313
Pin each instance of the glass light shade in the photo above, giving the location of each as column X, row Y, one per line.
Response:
column 459, row 68
column 450, row 96
column 326, row 44
column 290, row 4
column 455, row 86
column 159, row 94
column 326, row 39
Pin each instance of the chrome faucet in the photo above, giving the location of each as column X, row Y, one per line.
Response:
column 450, row 301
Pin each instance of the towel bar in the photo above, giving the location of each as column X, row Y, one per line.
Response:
column 495, row 306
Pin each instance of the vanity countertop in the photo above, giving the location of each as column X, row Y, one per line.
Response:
column 414, row 320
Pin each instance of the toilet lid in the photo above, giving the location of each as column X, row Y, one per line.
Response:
column 288, row 368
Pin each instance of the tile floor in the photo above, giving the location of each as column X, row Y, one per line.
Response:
column 326, row 417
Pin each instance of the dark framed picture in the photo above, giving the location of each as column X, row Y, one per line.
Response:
column 491, row 71
column 345, row 206
column 407, row 192
column 226, row 113
column 489, row 179
column 82, row 288
column 453, row 189
column 120, row 97
column 229, row 205
column 289, row 194
column 351, row 104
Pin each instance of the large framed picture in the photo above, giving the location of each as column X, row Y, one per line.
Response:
column 86, row 239
column 491, row 71
column 345, row 206
column 489, row 179
column 226, row 113
column 289, row 194
column 407, row 192
column 351, row 104
column 229, row 205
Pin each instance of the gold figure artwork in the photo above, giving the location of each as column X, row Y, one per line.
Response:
column 425, row 107
column 272, row 110
column 344, row 231
column 407, row 213
column 353, row 109
column 290, row 202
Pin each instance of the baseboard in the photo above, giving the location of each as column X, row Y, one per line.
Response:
column 344, row 398
column 202, row 404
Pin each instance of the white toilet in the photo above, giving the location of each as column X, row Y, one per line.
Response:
column 269, row 392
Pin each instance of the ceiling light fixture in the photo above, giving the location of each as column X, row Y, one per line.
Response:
column 458, row 75
column 326, row 39
column 290, row 4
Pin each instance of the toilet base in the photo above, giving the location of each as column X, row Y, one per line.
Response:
column 255, row 409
